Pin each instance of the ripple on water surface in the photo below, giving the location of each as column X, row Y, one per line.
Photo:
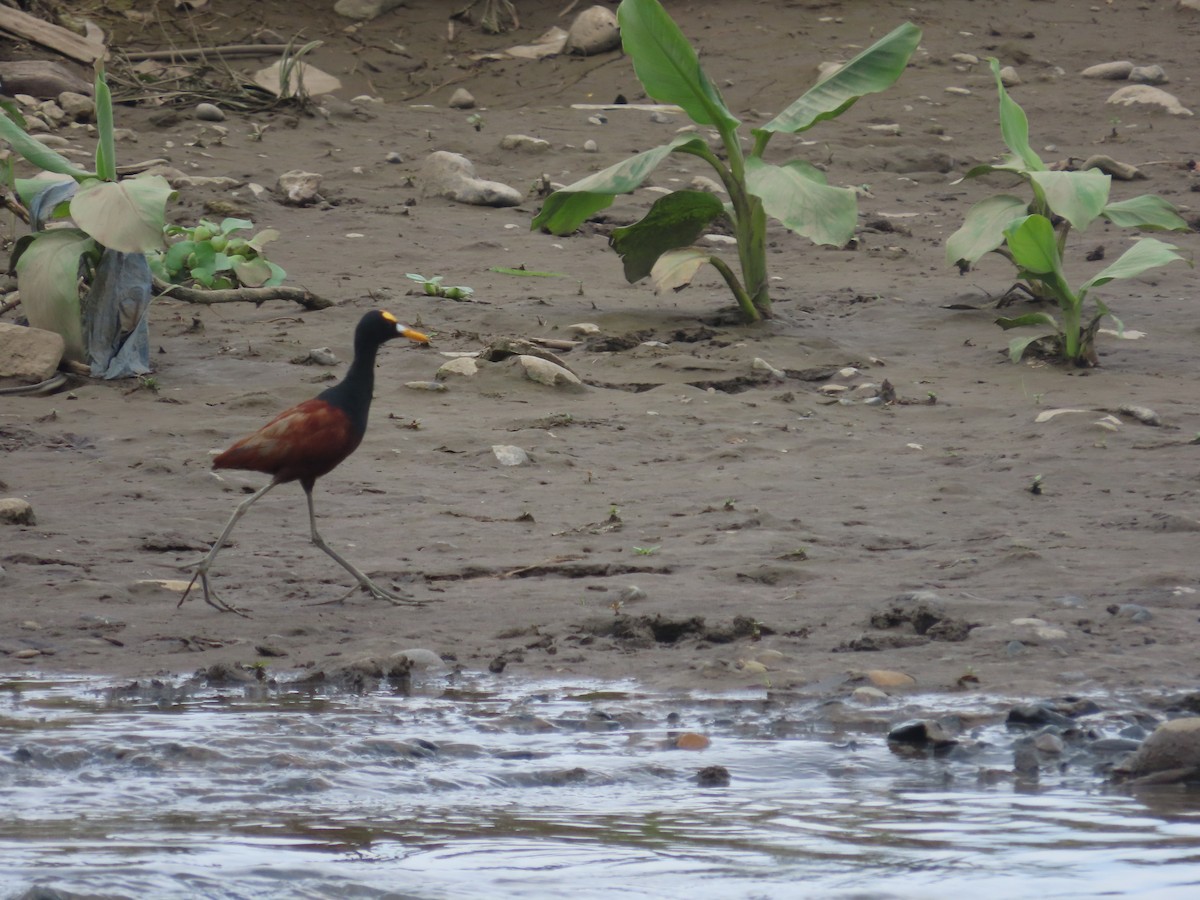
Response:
column 481, row 787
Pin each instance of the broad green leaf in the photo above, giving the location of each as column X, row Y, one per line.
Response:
column 674, row 221
column 982, row 230
column 823, row 214
column 48, row 277
column 252, row 272
column 666, row 64
column 1018, row 346
column 1010, row 166
column 675, row 269
column 277, row 275
column 1148, row 211
column 1034, row 318
column 1034, row 245
column 1014, row 125
column 106, row 153
column 36, row 152
column 231, row 224
column 1078, row 197
column 873, row 70
column 177, row 255
column 1147, row 253
column 128, row 215
column 263, row 238
column 566, row 209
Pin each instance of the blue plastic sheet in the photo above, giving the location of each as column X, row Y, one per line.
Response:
column 116, row 314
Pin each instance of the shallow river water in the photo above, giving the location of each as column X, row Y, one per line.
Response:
column 482, row 787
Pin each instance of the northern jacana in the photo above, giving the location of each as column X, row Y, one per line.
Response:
column 310, row 440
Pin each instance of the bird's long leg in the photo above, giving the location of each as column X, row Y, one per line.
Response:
column 203, row 565
column 366, row 583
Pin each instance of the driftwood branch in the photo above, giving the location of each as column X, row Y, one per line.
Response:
column 68, row 43
column 305, row 298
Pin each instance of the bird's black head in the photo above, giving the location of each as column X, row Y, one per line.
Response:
column 378, row 326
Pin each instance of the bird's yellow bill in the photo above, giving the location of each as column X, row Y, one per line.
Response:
column 413, row 335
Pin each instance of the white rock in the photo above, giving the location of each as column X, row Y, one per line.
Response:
column 462, row 99
column 967, row 59
column 584, row 328
column 30, row 355
column 78, row 107
column 960, row 91
column 1110, row 71
column 706, row 184
column 593, row 31
column 545, row 372
column 761, row 365
column 508, row 455
column 314, row 81
column 1145, row 95
column 590, row 146
column 452, row 176
column 524, row 143
column 1009, row 77
column 299, row 188
column 419, row 658
column 1139, row 75
column 463, row 367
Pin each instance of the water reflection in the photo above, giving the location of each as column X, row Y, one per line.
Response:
column 488, row 788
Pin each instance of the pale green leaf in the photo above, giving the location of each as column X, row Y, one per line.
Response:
column 566, row 209
column 666, row 64
column 1078, row 197
column 1147, row 253
column 1033, row 318
column 1014, row 125
column 674, row 221
column 1018, row 346
column 823, row 214
column 675, row 269
column 36, row 152
column 128, row 215
column 106, row 153
column 1148, row 211
column 982, row 230
column 48, row 274
column 252, row 272
column 873, row 70
column 1034, row 245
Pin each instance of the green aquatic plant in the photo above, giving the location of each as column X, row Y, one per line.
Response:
column 215, row 256
column 661, row 245
column 1032, row 235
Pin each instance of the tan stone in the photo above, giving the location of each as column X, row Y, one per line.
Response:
column 29, row 354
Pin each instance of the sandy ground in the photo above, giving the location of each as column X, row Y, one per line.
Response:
column 747, row 497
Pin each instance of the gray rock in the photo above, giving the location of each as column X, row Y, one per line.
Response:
column 1148, row 75
column 77, row 107
column 593, row 31
column 590, row 146
column 1049, row 742
column 41, row 78
column 1145, row 95
column 1009, row 77
column 452, row 176
column 462, row 99
column 15, row 511
column 299, row 188
column 365, row 9
column 545, row 372
column 1109, row 71
column 509, row 455
column 209, row 112
column 30, row 355
column 1134, row 612
column 524, row 143
column 419, row 659
column 463, row 366
column 1172, row 752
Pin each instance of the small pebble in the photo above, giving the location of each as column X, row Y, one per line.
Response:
column 590, row 146
column 394, row 157
column 462, row 99
column 209, row 112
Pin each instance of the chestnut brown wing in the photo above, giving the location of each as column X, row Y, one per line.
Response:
column 305, row 441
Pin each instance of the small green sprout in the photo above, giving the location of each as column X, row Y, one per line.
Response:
column 646, row 551
column 434, row 287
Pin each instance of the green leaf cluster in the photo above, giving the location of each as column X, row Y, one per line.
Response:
column 215, row 256
column 127, row 216
column 1032, row 234
column 661, row 245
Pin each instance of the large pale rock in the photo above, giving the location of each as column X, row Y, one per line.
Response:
column 1145, row 95
column 452, row 176
column 1172, row 752
column 30, row 355
column 1148, row 75
column 298, row 188
column 524, row 143
column 462, row 99
column 545, row 372
column 15, row 511
column 314, row 81
column 593, row 31
column 77, row 107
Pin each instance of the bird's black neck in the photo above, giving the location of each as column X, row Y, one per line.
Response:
column 352, row 395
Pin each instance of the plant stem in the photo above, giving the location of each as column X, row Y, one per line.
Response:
column 749, row 309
